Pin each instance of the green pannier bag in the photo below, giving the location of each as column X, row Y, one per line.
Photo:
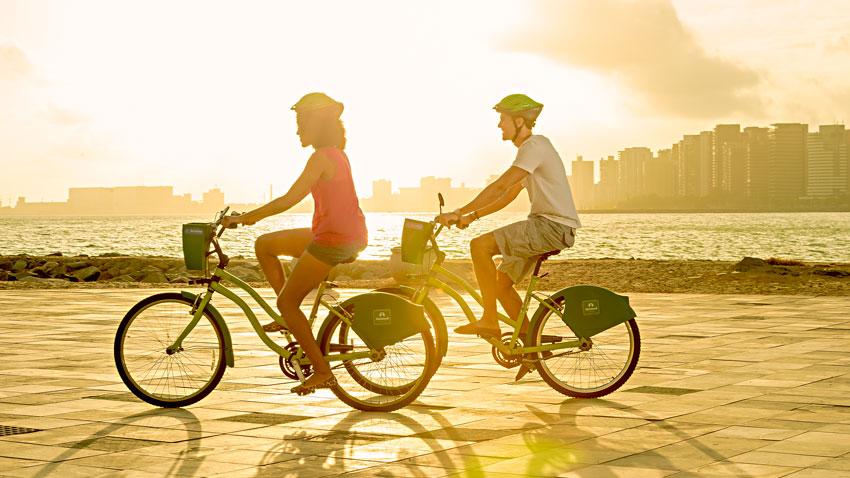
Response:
column 382, row 319
column 197, row 237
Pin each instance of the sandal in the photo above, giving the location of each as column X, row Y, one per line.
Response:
column 274, row 326
column 304, row 389
column 474, row 329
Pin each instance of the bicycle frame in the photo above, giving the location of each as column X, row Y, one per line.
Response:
column 438, row 272
column 216, row 286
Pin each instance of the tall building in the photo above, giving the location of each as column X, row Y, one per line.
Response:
column 826, row 167
column 727, row 168
column 787, row 162
column 633, row 171
column 581, row 182
column 706, row 156
column 661, row 174
column 609, row 181
column 214, row 199
column 756, row 146
column 689, row 176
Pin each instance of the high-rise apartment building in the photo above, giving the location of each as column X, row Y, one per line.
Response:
column 609, row 180
column 756, row 146
column 633, row 171
column 689, row 179
column 727, row 164
column 787, row 162
column 706, row 156
column 581, row 182
column 826, row 167
column 661, row 174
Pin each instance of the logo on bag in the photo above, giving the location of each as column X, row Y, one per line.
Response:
column 590, row 307
column 381, row 316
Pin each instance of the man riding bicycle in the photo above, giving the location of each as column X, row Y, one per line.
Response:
column 550, row 225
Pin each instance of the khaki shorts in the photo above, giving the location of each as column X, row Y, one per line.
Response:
column 522, row 243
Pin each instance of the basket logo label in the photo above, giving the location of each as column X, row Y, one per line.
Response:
column 590, row 307
column 194, row 231
column 381, row 316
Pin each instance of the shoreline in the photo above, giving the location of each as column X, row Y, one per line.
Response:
column 749, row 276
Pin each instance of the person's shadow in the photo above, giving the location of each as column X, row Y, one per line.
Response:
column 186, row 463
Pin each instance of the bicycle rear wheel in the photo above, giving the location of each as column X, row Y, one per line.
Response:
column 392, row 381
column 591, row 373
column 149, row 371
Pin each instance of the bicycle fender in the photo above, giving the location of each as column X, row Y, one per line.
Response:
column 440, row 329
column 225, row 332
column 588, row 310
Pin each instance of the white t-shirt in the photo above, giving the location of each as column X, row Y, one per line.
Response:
column 547, row 185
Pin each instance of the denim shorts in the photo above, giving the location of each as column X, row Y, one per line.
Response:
column 334, row 255
column 522, row 243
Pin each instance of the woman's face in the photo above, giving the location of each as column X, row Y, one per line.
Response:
column 305, row 132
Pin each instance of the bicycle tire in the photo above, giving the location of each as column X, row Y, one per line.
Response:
column 385, row 385
column 162, row 379
column 593, row 373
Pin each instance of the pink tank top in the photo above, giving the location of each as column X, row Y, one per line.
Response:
column 337, row 218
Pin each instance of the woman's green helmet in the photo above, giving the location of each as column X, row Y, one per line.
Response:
column 317, row 101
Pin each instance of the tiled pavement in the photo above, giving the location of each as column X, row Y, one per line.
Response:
column 745, row 386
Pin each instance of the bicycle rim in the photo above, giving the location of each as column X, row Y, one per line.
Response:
column 591, row 373
column 387, row 384
column 149, row 371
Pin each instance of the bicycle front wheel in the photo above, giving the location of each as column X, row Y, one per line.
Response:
column 591, row 373
column 152, row 373
column 391, row 381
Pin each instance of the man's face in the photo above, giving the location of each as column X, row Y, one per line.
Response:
column 506, row 124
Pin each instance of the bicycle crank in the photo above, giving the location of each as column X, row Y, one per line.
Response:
column 502, row 358
column 287, row 368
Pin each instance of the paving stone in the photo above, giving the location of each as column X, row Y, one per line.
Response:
column 726, row 386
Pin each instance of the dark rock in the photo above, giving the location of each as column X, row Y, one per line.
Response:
column 154, row 277
column 750, row 263
column 19, row 265
column 54, row 254
column 105, row 276
column 110, row 254
column 123, row 278
column 77, row 264
column 831, row 272
column 22, row 274
column 87, row 274
column 4, row 275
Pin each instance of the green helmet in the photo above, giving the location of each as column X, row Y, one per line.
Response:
column 520, row 105
column 316, row 101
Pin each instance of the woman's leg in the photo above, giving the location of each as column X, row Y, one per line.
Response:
column 308, row 273
column 268, row 247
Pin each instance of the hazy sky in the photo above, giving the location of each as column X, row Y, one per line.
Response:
column 197, row 94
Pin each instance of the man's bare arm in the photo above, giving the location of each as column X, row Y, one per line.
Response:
column 497, row 191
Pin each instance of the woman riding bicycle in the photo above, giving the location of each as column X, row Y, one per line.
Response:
column 337, row 236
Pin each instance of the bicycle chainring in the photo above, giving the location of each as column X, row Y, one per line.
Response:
column 287, row 368
column 507, row 361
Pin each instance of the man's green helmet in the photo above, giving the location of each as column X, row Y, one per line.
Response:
column 317, row 101
column 513, row 104
column 519, row 105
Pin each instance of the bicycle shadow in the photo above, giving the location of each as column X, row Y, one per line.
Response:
column 553, row 456
column 371, row 436
column 186, row 463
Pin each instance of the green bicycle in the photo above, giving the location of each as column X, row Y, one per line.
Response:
column 171, row 349
column 582, row 340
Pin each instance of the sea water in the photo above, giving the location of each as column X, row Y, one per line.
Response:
column 815, row 237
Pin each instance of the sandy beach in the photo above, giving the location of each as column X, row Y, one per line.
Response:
column 750, row 276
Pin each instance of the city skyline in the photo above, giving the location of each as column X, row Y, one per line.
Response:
column 90, row 96
column 749, row 168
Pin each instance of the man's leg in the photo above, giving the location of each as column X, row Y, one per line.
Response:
column 268, row 247
column 482, row 249
column 509, row 298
